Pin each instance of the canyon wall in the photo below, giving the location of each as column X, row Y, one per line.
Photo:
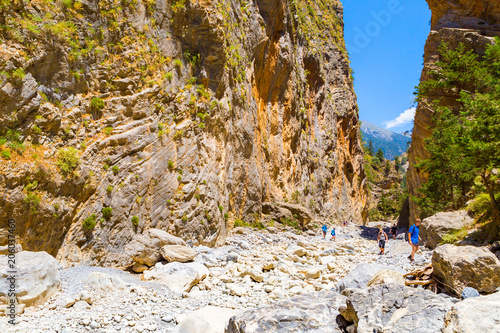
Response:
column 473, row 23
column 117, row 116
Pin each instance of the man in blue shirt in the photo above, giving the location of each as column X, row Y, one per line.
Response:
column 413, row 239
column 324, row 228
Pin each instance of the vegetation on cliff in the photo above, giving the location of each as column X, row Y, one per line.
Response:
column 464, row 162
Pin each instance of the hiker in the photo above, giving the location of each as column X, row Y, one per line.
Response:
column 382, row 238
column 324, row 228
column 413, row 239
column 333, row 234
column 394, row 231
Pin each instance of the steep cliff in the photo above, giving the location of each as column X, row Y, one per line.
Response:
column 473, row 23
column 117, row 116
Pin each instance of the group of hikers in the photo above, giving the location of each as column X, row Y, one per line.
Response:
column 382, row 238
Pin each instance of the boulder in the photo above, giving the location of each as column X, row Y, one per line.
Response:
column 209, row 319
column 283, row 210
column 315, row 312
column 457, row 267
column 104, row 282
column 386, row 276
column 477, row 314
column 395, row 308
column 295, row 250
column 178, row 253
column 361, row 275
column 435, row 227
column 37, row 277
column 254, row 274
column 178, row 277
column 145, row 248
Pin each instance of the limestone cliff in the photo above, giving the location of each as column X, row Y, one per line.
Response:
column 473, row 23
column 117, row 116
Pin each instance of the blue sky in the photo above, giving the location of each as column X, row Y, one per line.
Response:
column 385, row 40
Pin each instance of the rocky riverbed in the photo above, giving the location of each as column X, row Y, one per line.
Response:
column 252, row 269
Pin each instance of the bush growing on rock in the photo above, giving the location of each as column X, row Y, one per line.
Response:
column 90, row 222
column 135, row 220
column 109, row 189
column 97, row 103
column 68, row 160
column 107, row 212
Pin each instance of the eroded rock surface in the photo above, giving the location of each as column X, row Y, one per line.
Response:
column 182, row 116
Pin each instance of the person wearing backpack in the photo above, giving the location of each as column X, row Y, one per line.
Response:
column 382, row 238
column 333, row 234
column 413, row 239
column 324, row 228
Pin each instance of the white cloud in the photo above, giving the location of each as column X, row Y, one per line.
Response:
column 404, row 118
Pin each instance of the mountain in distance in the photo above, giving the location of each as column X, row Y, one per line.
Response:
column 392, row 144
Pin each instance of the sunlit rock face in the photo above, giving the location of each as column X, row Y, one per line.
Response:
column 473, row 23
column 276, row 120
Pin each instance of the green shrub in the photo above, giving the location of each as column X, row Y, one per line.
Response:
column 115, row 169
column 5, row 154
column 240, row 223
column 178, row 63
column 68, row 160
column 291, row 222
column 170, row 165
column 226, row 216
column 135, row 220
column 184, row 218
column 169, row 76
column 454, row 236
column 109, row 189
column 97, row 103
column 90, row 222
column 17, row 146
column 178, row 6
column 178, row 134
column 18, row 74
column 221, row 208
column 108, row 130
column 56, row 206
column 179, row 178
column 32, row 199
column 36, row 129
column 107, row 212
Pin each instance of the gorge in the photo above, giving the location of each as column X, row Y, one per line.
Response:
column 166, row 166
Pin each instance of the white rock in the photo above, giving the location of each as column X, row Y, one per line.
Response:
column 178, row 277
column 104, row 282
column 206, row 320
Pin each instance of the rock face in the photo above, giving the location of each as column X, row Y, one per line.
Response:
column 306, row 313
column 458, row 267
column 435, row 227
column 177, row 113
column 472, row 22
column 395, row 308
column 36, row 281
column 477, row 314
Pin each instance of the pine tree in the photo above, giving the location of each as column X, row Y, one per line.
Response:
column 380, row 154
column 370, row 148
column 465, row 143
